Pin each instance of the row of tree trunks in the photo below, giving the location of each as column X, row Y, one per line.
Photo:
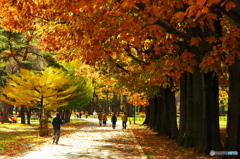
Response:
column 161, row 114
column 199, row 122
column 199, row 112
column 65, row 113
column 232, row 142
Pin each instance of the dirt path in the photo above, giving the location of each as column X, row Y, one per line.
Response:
column 90, row 142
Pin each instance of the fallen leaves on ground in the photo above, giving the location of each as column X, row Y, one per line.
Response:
column 160, row 146
column 18, row 138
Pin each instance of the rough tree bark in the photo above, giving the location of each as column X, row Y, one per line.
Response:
column 233, row 123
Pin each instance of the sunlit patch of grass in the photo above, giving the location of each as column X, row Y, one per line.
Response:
column 16, row 138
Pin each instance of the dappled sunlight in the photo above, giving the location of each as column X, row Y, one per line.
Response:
column 18, row 138
column 91, row 141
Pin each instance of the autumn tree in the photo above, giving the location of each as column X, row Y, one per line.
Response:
column 83, row 92
column 43, row 90
column 188, row 38
column 17, row 52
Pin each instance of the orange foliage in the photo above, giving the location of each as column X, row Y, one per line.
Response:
column 137, row 100
column 128, row 35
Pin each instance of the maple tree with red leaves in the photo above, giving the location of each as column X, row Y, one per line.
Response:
column 168, row 45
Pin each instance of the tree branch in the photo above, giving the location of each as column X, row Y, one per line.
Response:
column 171, row 30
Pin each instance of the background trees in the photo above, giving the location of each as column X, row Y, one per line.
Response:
column 17, row 52
column 38, row 90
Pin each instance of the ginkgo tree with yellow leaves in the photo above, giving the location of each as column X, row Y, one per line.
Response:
column 45, row 90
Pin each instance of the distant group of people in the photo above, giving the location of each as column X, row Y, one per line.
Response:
column 102, row 117
column 79, row 115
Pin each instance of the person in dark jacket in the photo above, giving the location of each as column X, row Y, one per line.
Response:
column 114, row 120
column 56, row 122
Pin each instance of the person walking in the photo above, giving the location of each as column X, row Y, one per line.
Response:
column 56, row 122
column 124, row 120
column 104, row 119
column 86, row 114
column 114, row 121
column 94, row 114
column 80, row 115
column 100, row 117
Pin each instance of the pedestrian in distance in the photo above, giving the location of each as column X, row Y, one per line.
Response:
column 86, row 114
column 114, row 120
column 77, row 115
column 56, row 122
column 124, row 120
column 94, row 114
column 100, row 117
column 104, row 119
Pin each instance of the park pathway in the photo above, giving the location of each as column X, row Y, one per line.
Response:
column 90, row 142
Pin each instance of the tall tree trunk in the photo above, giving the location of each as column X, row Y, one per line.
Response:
column 157, row 127
column 43, row 121
column 183, row 112
column 152, row 116
column 201, row 129
column 167, row 114
column 209, row 134
column 22, row 112
column 146, row 121
column 28, row 112
column 172, row 115
column 212, row 111
column 5, row 113
column 233, row 123
column 164, row 116
column 189, row 139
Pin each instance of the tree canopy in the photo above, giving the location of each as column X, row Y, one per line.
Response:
column 44, row 89
column 132, row 36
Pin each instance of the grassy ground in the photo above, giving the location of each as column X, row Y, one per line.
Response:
column 17, row 138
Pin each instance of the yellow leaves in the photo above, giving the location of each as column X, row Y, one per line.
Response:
column 137, row 100
column 128, row 3
column 6, row 52
column 78, row 7
column 29, row 88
